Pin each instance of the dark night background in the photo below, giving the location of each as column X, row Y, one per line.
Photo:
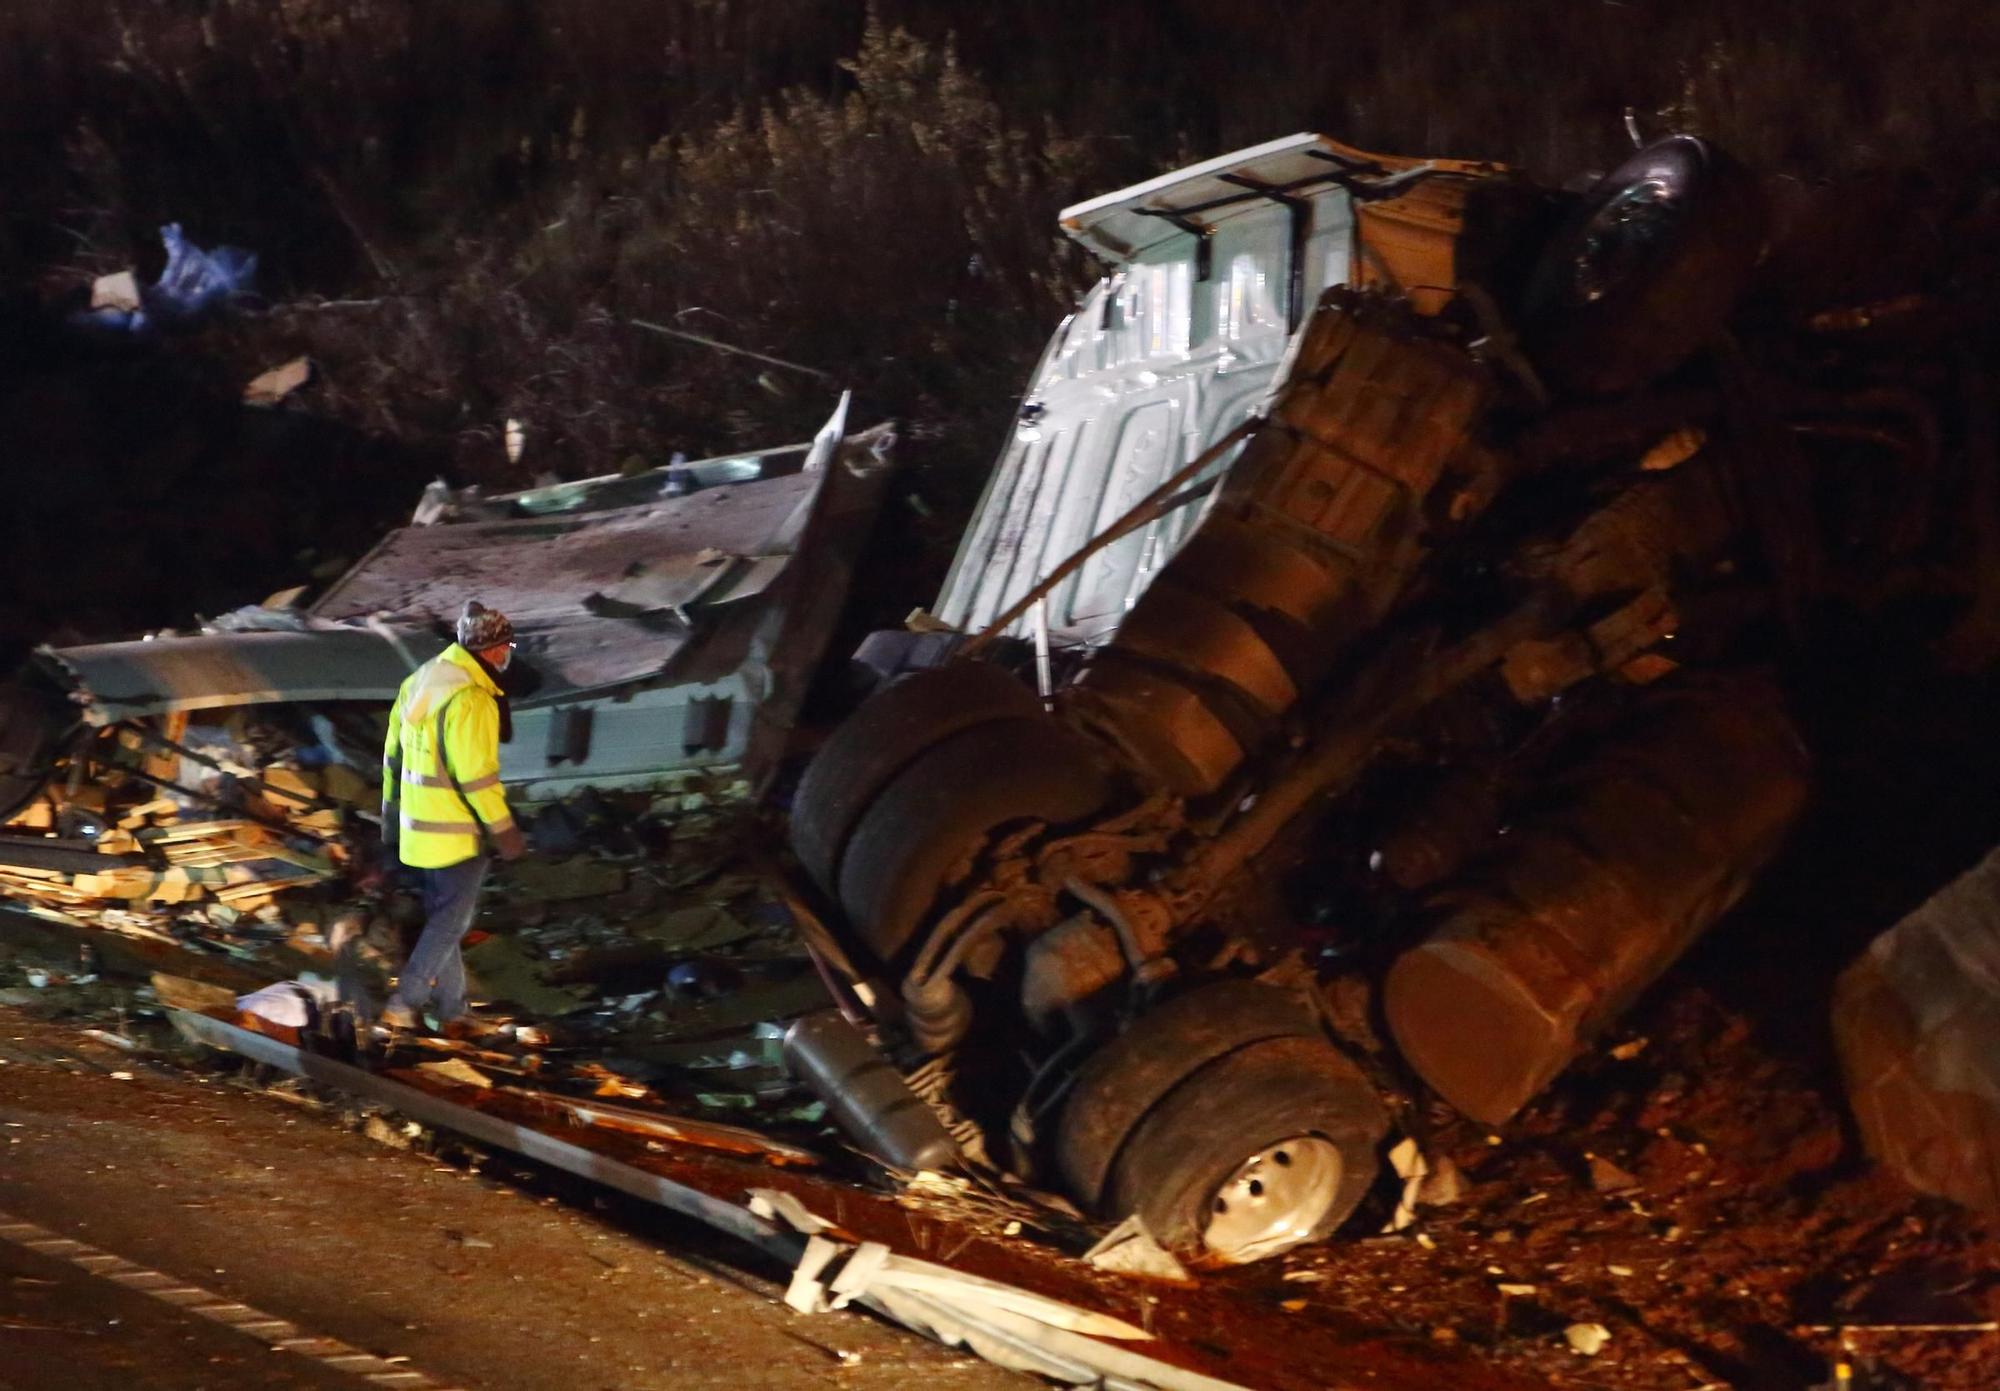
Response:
column 461, row 206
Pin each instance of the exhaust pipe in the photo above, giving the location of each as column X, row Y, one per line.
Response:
column 865, row 1094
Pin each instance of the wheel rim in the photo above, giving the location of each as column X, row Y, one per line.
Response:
column 1274, row 1200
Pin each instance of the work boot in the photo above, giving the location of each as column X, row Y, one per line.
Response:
column 396, row 1018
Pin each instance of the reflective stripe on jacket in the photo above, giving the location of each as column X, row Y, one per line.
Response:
column 445, row 728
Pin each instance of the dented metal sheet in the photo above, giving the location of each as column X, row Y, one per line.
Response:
column 661, row 626
column 547, row 570
column 1211, row 271
column 1127, row 222
column 122, row 680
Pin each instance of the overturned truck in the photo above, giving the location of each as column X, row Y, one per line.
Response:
column 1360, row 674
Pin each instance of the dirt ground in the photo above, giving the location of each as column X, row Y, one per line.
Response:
column 1693, row 1183
column 1698, row 1202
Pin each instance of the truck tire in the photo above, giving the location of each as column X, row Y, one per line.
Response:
column 1119, row 1083
column 935, row 815
column 1261, row 1150
column 883, row 737
column 1162, row 1117
column 1648, row 269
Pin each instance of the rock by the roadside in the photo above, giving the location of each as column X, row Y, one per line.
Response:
column 1607, row 1177
column 1587, row 1338
column 1917, row 1023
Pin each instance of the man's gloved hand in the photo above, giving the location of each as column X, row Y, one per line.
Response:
column 509, row 841
column 392, row 825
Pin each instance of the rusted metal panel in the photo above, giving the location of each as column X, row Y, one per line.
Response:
column 491, row 1130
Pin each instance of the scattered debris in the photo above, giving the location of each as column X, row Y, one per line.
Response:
column 773, row 1205
column 1409, row 1165
column 274, row 387
column 192, row 283
column 118, row 1041
column 558, row 881
column 296, row 1004
column 1427, row 1182
column 1443, row 1185
column 197, row 997
column 456, row 1070
column 871, row 1269
column 118, row 292
column 1130, row 1249
column 1587, row 1338
column 384, row 1131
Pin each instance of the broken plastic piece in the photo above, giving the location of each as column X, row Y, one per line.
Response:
column 1131, row 1249
column 774, row 1205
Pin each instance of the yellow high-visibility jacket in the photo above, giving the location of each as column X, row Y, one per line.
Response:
column 445, row 727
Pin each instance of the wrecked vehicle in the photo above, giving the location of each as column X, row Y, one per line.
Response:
column 1397, row 553
column 668, row 623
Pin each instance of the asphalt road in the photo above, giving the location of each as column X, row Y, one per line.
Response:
column 161, row 1231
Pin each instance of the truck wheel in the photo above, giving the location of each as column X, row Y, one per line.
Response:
column 935, row 815
column 1264, row 1149
column 1648, row 269
column 1228, row 1092
column 883, row 737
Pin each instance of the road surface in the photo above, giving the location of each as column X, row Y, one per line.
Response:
column 171, row 1233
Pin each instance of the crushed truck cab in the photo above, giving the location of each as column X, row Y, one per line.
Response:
column 1347, row 682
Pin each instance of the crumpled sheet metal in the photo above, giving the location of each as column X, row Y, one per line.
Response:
column 115, row 681
column 1916, row 1021
column 703, row 615
column 1006, row 1325
column 542, row 570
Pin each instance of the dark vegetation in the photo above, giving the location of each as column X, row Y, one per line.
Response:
column 469, row 210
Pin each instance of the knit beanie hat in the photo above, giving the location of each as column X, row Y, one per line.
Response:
column 480, row 627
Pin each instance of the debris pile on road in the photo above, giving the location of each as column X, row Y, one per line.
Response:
column 183, row 832
column 641, row 934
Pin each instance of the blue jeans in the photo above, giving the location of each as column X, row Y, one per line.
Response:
column 435, row 969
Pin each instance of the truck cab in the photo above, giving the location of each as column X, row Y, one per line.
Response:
column 1210, row 270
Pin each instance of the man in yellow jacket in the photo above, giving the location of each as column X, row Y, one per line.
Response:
column 442, row 804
